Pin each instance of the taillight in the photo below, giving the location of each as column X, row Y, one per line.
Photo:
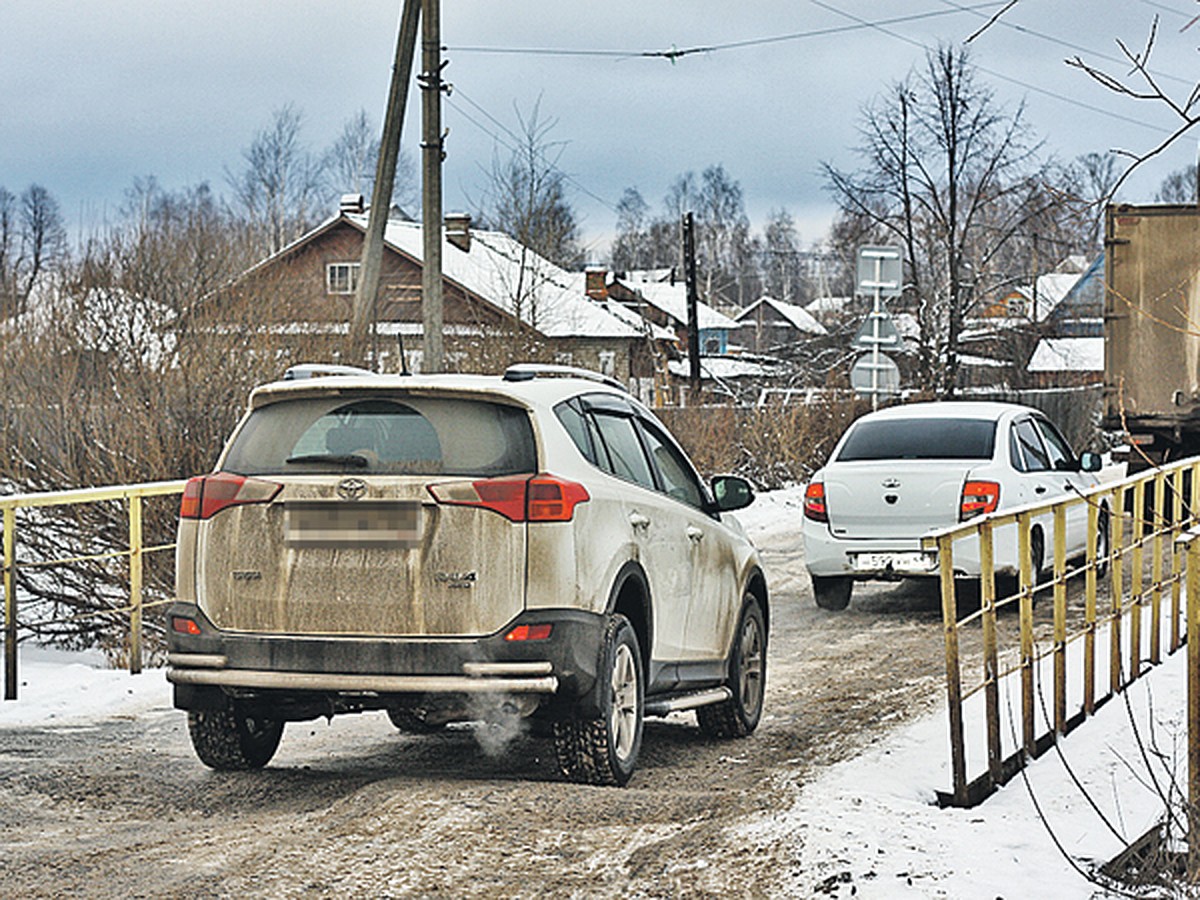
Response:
column 529, row 632
column 184, row 626
column 814, row 502
column 978, row 498
column 542, row 498
column 207, row 495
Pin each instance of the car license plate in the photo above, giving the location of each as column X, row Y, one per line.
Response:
column 912, row 562
column 371, row 523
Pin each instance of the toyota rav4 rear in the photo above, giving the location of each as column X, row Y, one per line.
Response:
column 442, row 548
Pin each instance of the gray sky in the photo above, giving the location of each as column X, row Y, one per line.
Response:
column 95, row 94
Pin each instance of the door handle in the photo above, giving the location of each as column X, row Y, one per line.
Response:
column 637, row 520
column 1040, row 489
column 694, row 534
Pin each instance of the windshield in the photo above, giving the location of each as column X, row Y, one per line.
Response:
column 402, row 435
column 919, row 439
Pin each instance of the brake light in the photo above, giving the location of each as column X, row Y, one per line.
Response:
column 542, row 498
column 814, row 502
column 184, row 626
column 206, row 495
column 978, row 498
column 529, row 633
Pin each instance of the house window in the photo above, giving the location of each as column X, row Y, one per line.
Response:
column 608, row 363
column 341, row 278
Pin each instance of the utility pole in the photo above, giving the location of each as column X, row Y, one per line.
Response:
column 385, row 176
column 689, row 274
column 431, row 193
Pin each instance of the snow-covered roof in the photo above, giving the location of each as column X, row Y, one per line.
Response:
column 797, row 316
column 672, row 299
column 720, row 367
column 519, row 281
column 1069, row 354
column 823, row 305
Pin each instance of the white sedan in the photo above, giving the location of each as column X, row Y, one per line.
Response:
column 901, row 472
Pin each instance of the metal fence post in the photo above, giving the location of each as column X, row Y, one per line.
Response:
column 1193, row 701
column 1117, row 586
column 10, row 604
column 1089, row 635
column 958, row 751
column 991, row 665
column 135, row 584
column 1028, row 579
column 1060, row 619
column 1159, row 526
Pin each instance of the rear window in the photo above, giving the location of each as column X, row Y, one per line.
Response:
column 920, row 439
column 401, row 436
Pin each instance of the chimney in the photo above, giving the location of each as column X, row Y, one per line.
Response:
column 458, row 230
column 596, row 282
column 351, row 203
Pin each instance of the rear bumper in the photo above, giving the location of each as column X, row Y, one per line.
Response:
column 290, row 668
column 867, row 559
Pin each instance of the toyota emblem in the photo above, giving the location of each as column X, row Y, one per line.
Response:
column 351, row 488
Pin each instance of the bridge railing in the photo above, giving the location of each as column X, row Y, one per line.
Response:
column 1125, row 602
column 134, row 496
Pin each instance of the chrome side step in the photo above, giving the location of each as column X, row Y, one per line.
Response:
column 661, row 706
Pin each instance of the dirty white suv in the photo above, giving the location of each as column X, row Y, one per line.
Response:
column 451, row 548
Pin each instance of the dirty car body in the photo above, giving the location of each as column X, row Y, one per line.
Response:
column 451, row 548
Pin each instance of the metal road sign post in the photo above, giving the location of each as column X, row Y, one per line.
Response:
column 881, row 271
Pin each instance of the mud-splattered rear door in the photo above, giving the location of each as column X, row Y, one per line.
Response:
column 355, row 541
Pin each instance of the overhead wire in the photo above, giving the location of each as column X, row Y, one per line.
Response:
column 676, row 53
column 999, row 75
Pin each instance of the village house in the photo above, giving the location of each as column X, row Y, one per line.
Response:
column 503, row 302
column 769, row 325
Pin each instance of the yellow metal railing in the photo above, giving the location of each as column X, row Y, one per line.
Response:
column 1158, row 513
column 134, row 495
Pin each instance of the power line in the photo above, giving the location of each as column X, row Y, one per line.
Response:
column 1023, row 29
column 1030, row 87
column 676, row 53
column 513, row 145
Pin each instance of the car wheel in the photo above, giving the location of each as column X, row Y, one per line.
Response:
column 832, row 592
column 413, row 721
column 232, row 739
column 604, row 750
column 739, row 715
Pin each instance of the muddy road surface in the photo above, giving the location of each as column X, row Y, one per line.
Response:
column 353, row 808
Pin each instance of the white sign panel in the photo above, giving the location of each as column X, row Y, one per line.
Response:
column 880, row 268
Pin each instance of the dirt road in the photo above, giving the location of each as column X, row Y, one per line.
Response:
column 354, row 809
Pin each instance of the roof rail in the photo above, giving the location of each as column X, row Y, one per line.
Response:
column 530, row 371
column 320, row 370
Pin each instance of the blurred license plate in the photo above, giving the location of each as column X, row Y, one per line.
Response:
column 897, row 562
column 363, row 524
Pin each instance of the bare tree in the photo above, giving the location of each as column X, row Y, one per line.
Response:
column 1178, row 187
column 1139, row 82
column 954, row 180
column 279, row 189
column 782, row 272
column 32, row 242
column 349, row 164
column 526, row 194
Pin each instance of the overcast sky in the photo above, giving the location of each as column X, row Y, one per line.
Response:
column 93, row 95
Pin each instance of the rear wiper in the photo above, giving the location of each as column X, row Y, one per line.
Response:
column 337, row 459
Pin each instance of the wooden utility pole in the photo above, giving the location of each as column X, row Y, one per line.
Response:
column 431, row 194
column 689, row 274
column 385, row 176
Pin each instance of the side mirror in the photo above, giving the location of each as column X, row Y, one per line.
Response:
column 732, row 492
column 1090, row 462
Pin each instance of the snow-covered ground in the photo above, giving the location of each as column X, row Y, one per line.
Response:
column 868, row 826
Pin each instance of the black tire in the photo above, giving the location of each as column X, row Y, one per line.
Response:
column 232, row 739
column 604, row 750
column 738, row 716
column 413, row 721
column 832, row 592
